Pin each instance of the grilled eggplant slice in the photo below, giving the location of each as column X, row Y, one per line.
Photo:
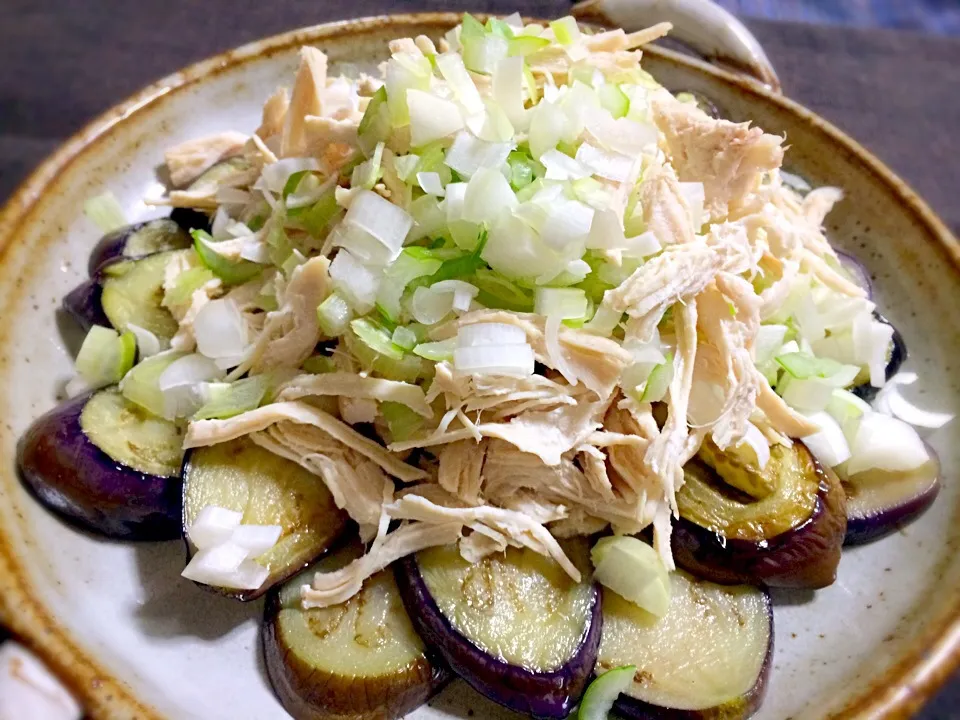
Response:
column 133, row 293
column 357, row 660
column 878, row 503
column 138, row 241
column 791, row 538
column 708, row 657
column 84, row 305
column 106, row 465
column 268, row 490
column 513, row 625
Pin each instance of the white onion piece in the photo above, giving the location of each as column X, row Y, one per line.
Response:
column 354, row 411
column 508, row 92
column 491, row 125
column 623, row 136
column 758, row 443
column 768, row 341
column 488, row 196
column 516, row 251
column 382, row 219
column 608, row 164
column 468, row 154
column 188, row 370
column 566, row 303
column 885, row 443
column 808, row 319
column 431, row 184
column 463, row 292
column 452, row 69
column 430, row 307
column 567, row 226
column 515, row 360
column 213, row 526
column 563, row 167
column 548, row 124
column 807, row 395
column 847, row 409
column 220, row 329
column 837, row 311
column 871, row 342
column 356, row 282
column 256, row 539
column 828, row 445
column 890, row 401
column 147, row 343
column 480, row 334
column 218, row 228
column 215, row 562
column 77, row 386
column 29, row 691
column 643, row 245
column 431, row 118
column 275, row 175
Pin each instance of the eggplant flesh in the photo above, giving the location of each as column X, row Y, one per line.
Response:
column 878, row 503
column 356, row 660
column 708, row 657
column 790, row 539
column 106, row 465
column 138, row 241
column 513, row 625
column 133, row 293
column 269, row 490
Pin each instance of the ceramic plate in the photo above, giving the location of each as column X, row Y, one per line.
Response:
column 136, row 640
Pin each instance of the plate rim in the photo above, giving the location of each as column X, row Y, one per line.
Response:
column 896, row 693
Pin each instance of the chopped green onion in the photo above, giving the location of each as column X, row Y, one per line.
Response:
column 498, row 292
column 293, row 182
column 229, row 399
column 319, row 364
column 598, row 700
column 404, row 337
column 105, row 212
column 188, row 282
column 402, row 422
column 659, row 381
column 523, row 170
column 293, row 261
column 105, row 356
column 232, row 273
column 437, row 351
column 141, row 384
column 632, row 569
column 565, row 30
column 405, row 166
column 334, row 315
column 471, row 28
column 802, row 366
column 567, row 303
column 368, row 173
column 613, row 100
column 463, row 266
column 375, row 124
column 412, row 263
column 376, row 338
column 523, row 45
column 320, row 215
column 499, row 27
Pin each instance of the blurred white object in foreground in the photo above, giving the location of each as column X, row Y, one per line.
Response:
column 28, row 690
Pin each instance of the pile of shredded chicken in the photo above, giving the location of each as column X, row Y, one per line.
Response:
column 524, row 461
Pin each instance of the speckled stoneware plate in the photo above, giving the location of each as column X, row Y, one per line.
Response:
column 133, row 639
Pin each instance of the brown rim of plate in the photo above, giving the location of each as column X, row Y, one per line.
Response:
column 898, row 693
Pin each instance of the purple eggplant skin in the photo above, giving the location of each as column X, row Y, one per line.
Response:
column 83, row 305
column 805, row 556
column 898, row 356
column 79, row 482
column 122, row 244
column 857, row 272
column 540, row 694
column 190, row 219
column 878, row 507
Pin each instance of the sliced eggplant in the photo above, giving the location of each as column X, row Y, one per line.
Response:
column 878, row 503
column 791, row 538
column 84, row 305
column 514, row 625
column 708, row 657
column 898, row 355
column 133, row 293
column 138, row 241
column 106, row 465
column 357, row 660
column 269, row 490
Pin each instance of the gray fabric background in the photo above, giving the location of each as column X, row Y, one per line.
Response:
column 62, row 62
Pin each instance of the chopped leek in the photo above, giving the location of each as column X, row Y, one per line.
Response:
column 186, row 284
column 523, row 45
column 105, row 356
column 376, row 338
column 105, row 212
column 375, row 124
column 802, row 366
column 567, row 303
column 334, row 315
column 565, row 30
column 598, row 700
column 402, row 422
column 498, row 292
column 463, row 266
column 633, row 570
column 404, row 337
column 368, row 173
column 141, row 384
column 232, row 273
column 437, row 351
column 613, row 100
column 659, row 381
column 229, row 399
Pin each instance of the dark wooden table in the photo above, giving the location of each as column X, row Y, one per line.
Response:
column 64, row 61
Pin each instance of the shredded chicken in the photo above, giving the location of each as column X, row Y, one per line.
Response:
column 188, row 160
column 357, row 386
